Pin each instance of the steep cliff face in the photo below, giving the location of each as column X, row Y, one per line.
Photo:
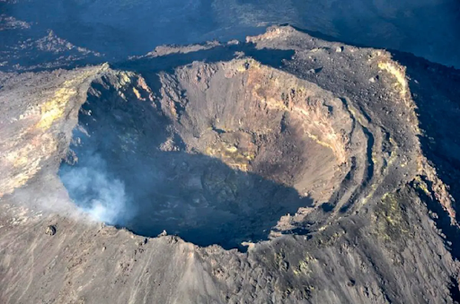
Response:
column 307, row 156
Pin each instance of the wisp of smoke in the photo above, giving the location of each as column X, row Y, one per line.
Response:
column 96, row 192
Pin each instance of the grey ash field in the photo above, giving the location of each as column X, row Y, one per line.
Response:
column 284, row 169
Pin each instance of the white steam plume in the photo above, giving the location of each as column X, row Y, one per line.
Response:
column 96, row 193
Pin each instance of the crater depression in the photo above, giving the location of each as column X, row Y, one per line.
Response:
column 218, row 153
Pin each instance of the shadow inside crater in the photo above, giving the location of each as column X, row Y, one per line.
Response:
column 196, row 197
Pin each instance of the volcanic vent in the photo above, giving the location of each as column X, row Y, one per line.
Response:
column 215, row 153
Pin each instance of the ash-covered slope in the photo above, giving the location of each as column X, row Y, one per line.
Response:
column 316, row 157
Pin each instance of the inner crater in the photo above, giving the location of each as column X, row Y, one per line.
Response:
column 214, row 153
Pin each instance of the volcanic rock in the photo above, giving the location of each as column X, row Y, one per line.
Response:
column 277, row 184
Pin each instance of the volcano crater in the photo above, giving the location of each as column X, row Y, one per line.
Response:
column 220, row 153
